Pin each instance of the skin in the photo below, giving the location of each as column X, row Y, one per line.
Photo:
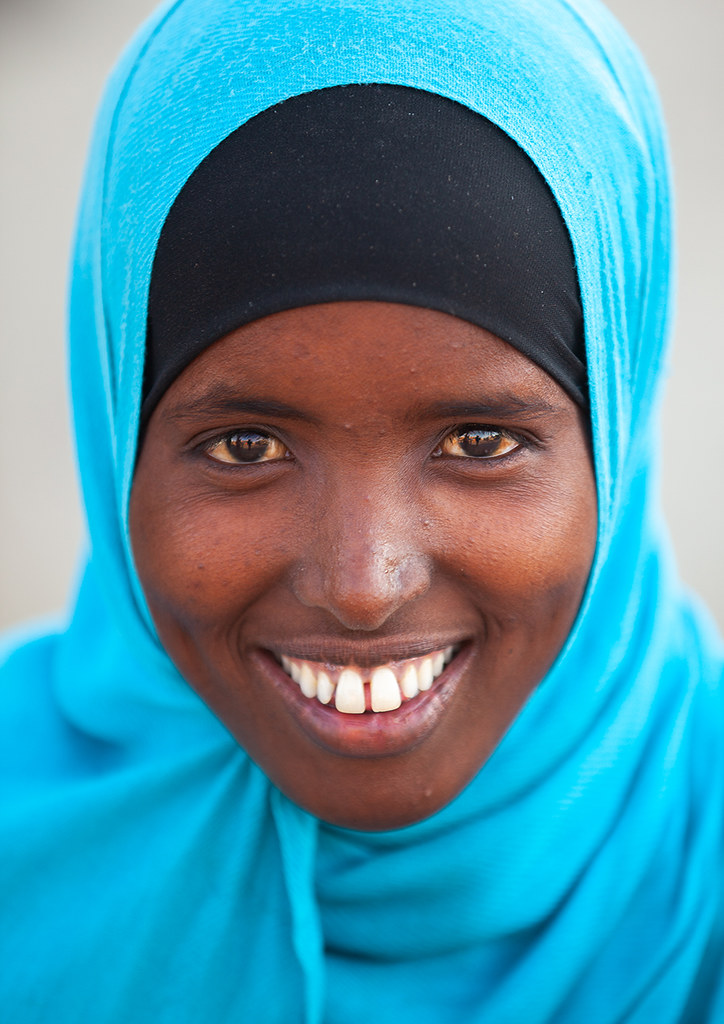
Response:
column 367, row 532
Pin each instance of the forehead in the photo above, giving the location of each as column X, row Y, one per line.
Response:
column 356, row 354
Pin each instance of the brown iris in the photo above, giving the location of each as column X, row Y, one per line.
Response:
column 246, row 446
column 478, row 443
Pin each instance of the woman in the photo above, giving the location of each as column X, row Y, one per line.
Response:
column 221, row 806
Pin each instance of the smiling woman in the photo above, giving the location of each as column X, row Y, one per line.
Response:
column 362, row 534
column 381, row 699
column 312, row 516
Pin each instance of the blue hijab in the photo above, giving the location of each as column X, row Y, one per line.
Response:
column 150, row 872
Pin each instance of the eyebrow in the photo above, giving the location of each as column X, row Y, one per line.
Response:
column 219, row 401
column 503, row 406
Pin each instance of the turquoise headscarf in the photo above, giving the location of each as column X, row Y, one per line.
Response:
column 149, row 870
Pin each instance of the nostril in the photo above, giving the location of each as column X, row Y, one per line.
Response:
column 363, row 593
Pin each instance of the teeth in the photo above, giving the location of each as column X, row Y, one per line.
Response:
column 384, row 691
column 426, row 674
column 350, row 695
column 409, row 684
column 389, row 685
column 325, row 688
column 307, row 682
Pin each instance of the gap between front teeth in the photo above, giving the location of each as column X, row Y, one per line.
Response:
column 389, row 685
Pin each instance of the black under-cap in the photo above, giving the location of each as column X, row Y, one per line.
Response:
column 375, row 192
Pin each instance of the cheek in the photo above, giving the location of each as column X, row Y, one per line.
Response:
column 201, row 562
column 525, row 553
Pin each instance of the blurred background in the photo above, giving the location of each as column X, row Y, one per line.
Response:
column 54, row 56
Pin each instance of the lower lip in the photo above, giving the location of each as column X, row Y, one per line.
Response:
column 372, row 734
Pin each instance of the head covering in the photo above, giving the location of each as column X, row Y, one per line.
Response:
column 365, row 192
column 150, row 872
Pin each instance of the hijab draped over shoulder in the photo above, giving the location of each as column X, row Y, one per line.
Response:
column 150, row 872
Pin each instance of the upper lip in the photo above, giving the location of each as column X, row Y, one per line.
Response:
column 365, row 654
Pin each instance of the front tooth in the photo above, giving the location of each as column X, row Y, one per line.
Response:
column 325, row 689
column 384, row 691
column 409, row 683
column 425, row 674
column 308, row 682
column 438, row 664
column 349, row 697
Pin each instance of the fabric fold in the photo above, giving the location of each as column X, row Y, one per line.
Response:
column 150, row 871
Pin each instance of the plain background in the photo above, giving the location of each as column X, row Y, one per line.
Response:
column 54, row 56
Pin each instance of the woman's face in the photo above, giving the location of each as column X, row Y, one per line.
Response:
column 379, row 503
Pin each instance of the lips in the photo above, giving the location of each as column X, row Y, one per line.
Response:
column 347, row 724
column 354, row 690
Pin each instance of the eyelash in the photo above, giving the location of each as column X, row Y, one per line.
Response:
column 251, row 437
column 257, row 442
column 484, row 433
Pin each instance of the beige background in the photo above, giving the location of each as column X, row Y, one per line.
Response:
column 54, row 55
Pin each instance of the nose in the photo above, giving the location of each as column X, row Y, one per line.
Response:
column 364, row 561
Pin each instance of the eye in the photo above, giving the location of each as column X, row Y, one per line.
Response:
column 477, row 443
column 246, row 446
